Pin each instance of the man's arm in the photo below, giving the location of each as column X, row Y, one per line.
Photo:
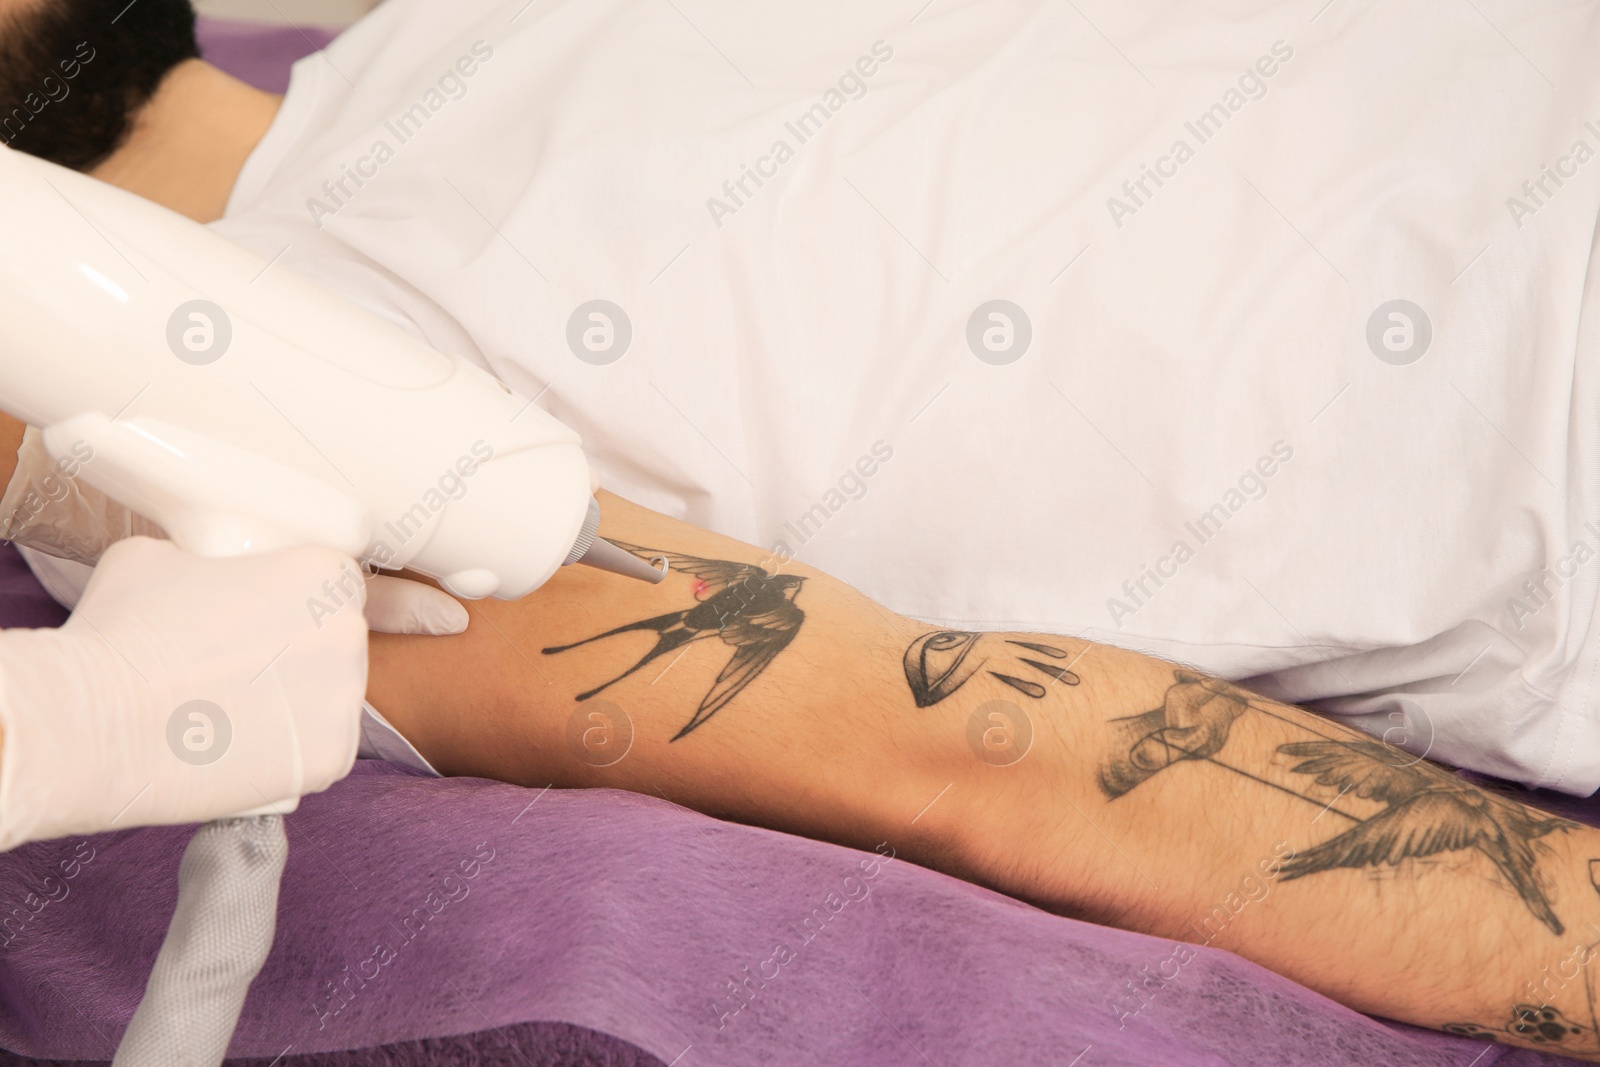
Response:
column 11, row 431
column 1090, row 780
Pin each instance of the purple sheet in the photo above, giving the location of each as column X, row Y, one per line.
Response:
column 257, row 52
column 414, row 907
column 418, row 908
column 521, row 1045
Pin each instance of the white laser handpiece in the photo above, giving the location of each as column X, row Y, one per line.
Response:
column 112, row 304
column 244, row 409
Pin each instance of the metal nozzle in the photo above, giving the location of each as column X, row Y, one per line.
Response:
column 594, row 551
column 608, row 557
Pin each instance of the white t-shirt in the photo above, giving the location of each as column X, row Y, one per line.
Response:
column 1199, row 425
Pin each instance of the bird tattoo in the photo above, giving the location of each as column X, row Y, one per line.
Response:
column 750, row 610
column 1430, row 812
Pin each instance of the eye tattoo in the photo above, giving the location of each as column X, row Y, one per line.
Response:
column 939, row 663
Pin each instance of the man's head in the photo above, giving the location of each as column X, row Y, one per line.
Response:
column 73, row 72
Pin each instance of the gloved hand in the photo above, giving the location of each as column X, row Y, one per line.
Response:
column 48, row 509
column 401, row 606
column 181, row 689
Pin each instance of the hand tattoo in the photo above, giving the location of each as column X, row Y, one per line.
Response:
column 1192, row 723
column 1427, row 810
column 939, row 663
column 751, row 610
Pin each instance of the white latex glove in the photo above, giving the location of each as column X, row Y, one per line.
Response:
column 46, row 506
column 394, row 605
column 47, row 509
column 401, row 606
column 99, row 729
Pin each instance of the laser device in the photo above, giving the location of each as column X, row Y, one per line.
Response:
column 245, row 409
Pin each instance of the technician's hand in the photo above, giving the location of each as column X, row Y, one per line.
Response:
column 46, row 507
column 182, row 689
column 400, row 606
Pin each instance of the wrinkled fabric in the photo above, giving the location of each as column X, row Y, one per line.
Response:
column 415, row 907
column 1259, row 338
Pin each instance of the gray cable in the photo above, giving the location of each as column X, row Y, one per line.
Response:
column 220, row 935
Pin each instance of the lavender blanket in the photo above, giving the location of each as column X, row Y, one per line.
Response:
column 415, row 908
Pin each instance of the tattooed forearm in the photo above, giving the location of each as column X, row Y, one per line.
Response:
column 1424, row 810
column 1144, row 796
column 752, row 611
column 939, row 663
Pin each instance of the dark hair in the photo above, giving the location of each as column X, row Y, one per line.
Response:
column 73, row 72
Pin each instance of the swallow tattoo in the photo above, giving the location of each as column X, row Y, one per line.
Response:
column 750, row 610
column 1429, row 812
